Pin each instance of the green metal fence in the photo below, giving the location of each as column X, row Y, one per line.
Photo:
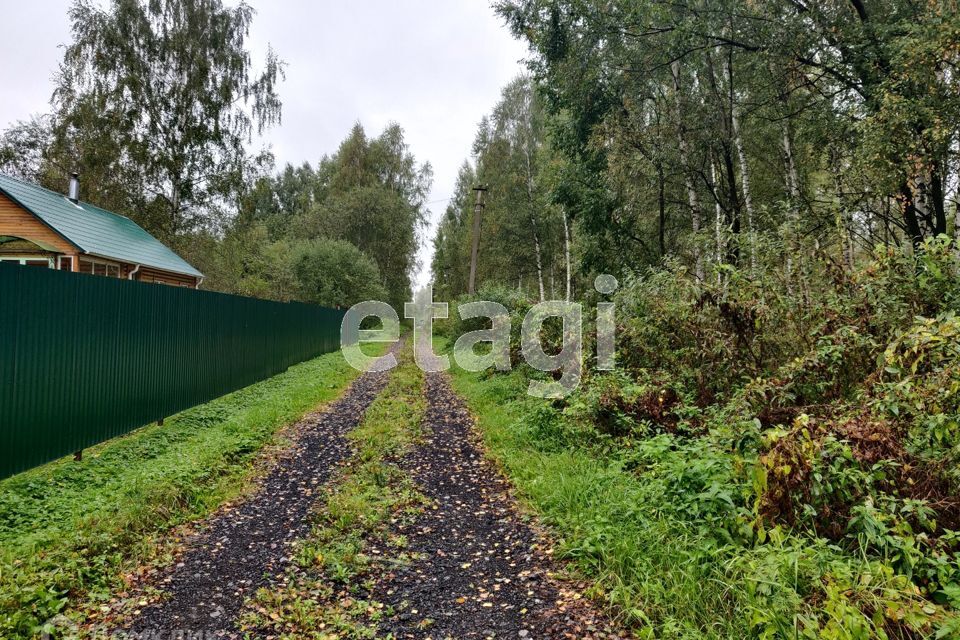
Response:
column 87, row 358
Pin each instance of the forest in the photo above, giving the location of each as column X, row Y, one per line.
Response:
column 774, row 184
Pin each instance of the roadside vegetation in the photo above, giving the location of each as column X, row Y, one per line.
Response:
column 774, row 185
column 762, row 464
column 75, row 534
column 327, row 591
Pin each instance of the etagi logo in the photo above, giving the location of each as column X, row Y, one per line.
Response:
column 423, row 311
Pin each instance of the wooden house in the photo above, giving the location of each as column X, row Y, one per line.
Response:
column 43, row 228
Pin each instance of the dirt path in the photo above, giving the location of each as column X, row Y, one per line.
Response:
column 242, row 548
column 481, row 571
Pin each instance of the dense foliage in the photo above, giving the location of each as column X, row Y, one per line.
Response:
column 770, row 465
column 685, row 129
column 774, row 184
column 342, row 232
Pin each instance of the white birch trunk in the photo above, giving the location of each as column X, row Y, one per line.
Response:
column 745, row 180
column 744, row 171
column 719, row 216
column 536, row 247
column 793, row 191
column 956, row 222
column 527, row 143
column 566, row 251
column 692, row 197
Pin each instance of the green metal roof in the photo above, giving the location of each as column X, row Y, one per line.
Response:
column 94, row 230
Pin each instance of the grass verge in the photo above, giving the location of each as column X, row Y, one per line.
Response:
column 640, row 562
column 71, row 533
column 325, row 594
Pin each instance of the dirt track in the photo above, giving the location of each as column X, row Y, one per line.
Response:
column 241, row 549
column 481, row 571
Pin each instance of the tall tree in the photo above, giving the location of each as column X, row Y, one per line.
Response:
column 771, row 94
column 172, row 85
column 522, row 231
column 370, row 193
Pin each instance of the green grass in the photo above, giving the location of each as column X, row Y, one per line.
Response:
column 647, row 566
column 323, row 597
column 69, row 531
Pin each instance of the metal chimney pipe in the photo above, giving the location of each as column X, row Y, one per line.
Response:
column 74, row 193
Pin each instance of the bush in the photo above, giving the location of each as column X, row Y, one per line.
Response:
column 335, row 273
column 813, row 438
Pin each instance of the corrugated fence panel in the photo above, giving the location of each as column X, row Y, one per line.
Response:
column 86, row 358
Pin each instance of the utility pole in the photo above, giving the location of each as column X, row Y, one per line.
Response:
column 477, row 214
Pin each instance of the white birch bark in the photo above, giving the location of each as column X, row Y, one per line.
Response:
column 793, row 191
column 745, row 183
column 566, row 251
column 527, row 143
column 536, row 247
column 956, row 222
column 692, row 197
column 718, row 221
column 744, row 170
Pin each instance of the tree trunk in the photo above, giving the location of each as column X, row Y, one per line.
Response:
column 566, row 251
column 718, row 223
column 956, row 225
column 745, row 182
column 692, row 197
column 793, row 193
column 662, row 207
column 910, row 218
column 724, row 102
column 532, row 202
column 536, row 247
column 848, row 234
column 939, row 202
column 733, row 213
column 793, row 178
column 174, row 209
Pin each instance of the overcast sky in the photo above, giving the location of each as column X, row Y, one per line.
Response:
column 435, row 67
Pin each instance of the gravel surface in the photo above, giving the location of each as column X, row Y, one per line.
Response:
column 481, row 572
column 245, row 546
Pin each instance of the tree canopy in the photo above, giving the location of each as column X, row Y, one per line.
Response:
column 687, row 129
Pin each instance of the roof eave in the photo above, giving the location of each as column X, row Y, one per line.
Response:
column 40, row 218
column 146, row 264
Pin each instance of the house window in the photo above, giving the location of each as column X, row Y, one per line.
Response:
column 99, row 268
column 31, row 261
column 66, row 263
